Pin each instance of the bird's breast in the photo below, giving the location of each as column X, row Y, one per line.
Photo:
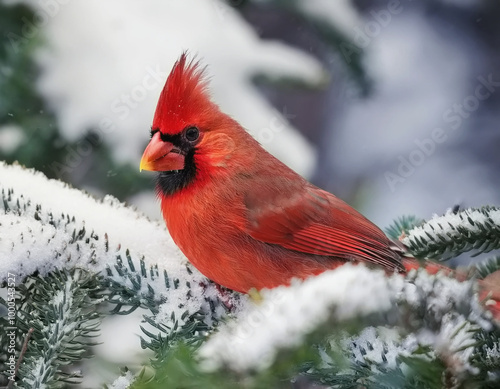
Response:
column 208, row 229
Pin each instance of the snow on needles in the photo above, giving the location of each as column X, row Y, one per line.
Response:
column 447, row 224
column 109, row 216
column 288, row 314
column 444, row 307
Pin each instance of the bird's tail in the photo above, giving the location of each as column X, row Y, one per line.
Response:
column 489, row 292
column 411, row 263
column 489, row 287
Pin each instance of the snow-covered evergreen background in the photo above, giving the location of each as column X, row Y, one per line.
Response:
column 352, row 94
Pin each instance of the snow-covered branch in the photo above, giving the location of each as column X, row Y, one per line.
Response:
column 456, row 233
column 424, row 311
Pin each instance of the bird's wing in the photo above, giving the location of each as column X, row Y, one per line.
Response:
column 307, row 219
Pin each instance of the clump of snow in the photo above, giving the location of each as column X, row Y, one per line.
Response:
column 288, row 314
column 443, row 307
column 493, row 352
column 123, row 382
column 438, row 295
column 109, row 77
column 379, row 345
column 38, row 242
column 453, row 343
column 451, row 312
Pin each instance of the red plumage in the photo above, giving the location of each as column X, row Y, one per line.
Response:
column 184, row 99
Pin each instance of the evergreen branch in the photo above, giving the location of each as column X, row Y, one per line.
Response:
column 64, row 240
column 456, row 233
column 487, row 356
column 63, row 317
column 192, row 333
column 435, row 321
column 488, row 266
column 128, row 287
column 402, row 226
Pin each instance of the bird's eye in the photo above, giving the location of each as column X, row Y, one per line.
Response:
column 192, row 134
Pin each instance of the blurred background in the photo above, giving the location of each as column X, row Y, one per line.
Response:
column 394, row 106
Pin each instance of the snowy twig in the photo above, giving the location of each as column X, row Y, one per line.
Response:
column 456, row 233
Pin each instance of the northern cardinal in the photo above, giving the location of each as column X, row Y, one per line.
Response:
column 241, row 216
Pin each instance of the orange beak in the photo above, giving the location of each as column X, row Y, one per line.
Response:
column 161, row 156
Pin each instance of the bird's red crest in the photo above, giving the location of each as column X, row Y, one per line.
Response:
column 184, row 100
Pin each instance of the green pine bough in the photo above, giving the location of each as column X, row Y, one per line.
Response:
column 474, row 229
column 64, row 321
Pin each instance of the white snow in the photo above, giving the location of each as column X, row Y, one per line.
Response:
column 493, row 352
column 453, row 339
column 142, row 236
column 39, row 242
column 123, row 382
column 106, row 63
column 376, row 342
column 446, row 225
column 287, row 314
column 455, row 343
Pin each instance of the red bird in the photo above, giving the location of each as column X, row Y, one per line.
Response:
column 242, row 217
